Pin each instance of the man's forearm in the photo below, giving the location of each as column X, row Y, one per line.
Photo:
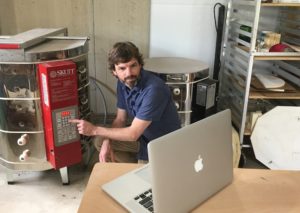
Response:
column 115, row 133
column 130, row 133
column 115, row 124
column 118, row 123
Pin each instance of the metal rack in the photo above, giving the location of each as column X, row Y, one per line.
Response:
column 245, row 20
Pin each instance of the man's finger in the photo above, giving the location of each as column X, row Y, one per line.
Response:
column 74, row 121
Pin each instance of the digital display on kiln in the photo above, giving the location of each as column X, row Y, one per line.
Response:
column 65, row 113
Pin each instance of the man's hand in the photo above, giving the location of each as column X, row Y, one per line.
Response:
column 84, row 127
column 106, row 152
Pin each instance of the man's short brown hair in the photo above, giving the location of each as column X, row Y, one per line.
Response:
column 122, row 52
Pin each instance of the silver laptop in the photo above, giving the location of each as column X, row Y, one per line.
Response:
column 185, row 168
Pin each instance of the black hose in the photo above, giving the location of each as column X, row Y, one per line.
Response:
column 219, row 29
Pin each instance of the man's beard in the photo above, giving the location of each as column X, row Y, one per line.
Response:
column 130, row 81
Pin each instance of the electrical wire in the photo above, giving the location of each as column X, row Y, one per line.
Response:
column 217, row 4
column 95, row 82
column 104, row 85
column 88, row 148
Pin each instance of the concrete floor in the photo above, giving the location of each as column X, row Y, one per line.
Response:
column 43, row 192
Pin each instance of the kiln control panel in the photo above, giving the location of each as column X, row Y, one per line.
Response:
column 64, row 132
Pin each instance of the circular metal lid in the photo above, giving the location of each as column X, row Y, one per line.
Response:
column 48, row 50
column 174, row 65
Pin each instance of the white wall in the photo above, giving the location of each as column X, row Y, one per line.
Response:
column 183, row 28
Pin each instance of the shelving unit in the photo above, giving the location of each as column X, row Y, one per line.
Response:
column 241, row 59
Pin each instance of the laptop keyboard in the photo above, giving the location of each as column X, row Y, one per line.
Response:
column 145, row 199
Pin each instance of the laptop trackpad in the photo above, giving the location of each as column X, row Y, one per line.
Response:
column 145, row 173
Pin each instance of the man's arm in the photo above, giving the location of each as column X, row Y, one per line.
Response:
column 130, row 133
column 106, row 149
column 118, row 131
column 120, row 119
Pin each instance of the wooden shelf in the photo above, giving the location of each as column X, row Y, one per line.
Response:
column 279, row 56
column 247, row 132
column 280, row 4
column 274, row 95
column 282, row 56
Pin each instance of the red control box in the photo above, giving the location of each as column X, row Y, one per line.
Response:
column 59, row 102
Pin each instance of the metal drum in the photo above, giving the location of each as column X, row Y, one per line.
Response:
column 22, row 145
column 180, row 74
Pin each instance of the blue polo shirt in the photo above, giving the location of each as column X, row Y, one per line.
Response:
column 150, row 100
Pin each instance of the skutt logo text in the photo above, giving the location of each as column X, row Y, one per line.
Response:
column 61, row 73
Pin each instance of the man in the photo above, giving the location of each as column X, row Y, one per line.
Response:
column 143, row 96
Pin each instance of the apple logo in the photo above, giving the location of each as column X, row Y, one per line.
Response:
column 198, row 165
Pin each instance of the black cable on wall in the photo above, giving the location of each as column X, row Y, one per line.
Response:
column 219, row 28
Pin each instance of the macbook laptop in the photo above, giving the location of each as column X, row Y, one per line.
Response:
column 185, row 168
